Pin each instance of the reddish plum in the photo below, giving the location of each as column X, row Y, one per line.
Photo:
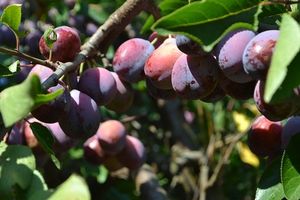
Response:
column 130, row 58
column 66, row 46
column 158, row 67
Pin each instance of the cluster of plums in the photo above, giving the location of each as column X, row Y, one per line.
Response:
column 75, row 114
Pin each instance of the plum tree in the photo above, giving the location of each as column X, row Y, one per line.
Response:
column 194, row 77
column 130, row 58
column 112, row 136
column 258, row 53
column 229, row 53
column 68, row 42
column 99, row 84
column 159, row 65
column 264, row 137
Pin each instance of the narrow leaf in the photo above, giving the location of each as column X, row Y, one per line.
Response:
column 290, row 169
column 46, row 140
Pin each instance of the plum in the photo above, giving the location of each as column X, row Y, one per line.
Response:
column 112, row 136
column 188, row 46
column 66, row 46
column 82, row 119
column 124, row 97
column 229, row 53
column 291, row 128
column 273, row 111
column 264, row 137
column 258, row 53
column 160, row 93
column 99, row 84
column 133, row 155
column 159, row 65
column 194, row 77
column 130, row 58
column 93, row 152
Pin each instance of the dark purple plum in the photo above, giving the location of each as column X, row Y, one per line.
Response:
column 274, row 112
column 83, row 118
column 229, row 53
column 99, row 84
column 70, row 3
column 216, row 95
column 195, row 77
column 112, row 136
column 158, row 67
column 130, row 58
column 124, row 97
column 32, row 41
column 16, row 135
column 160, row 93
column 264, row 137
column 7, row 36
column 240, row 91
column 62, row 141
column 93, row 152
column 258, row 53
column 291, row 128
column 66, row 47
column 77, row 21
column 133, row 155
column 188, row 46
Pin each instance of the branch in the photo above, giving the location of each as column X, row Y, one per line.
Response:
column 223, row 160
column 28, row 57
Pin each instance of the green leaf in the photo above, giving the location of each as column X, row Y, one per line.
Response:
column 74, row 188
column 270, row 187
column 11, row 16
column 45, row 98
column 283, row 74
column 290, row 169
column 36, row 186
column 45, row 139
column 17, row 101
column 50, row 37
column 14, row 67
column 16, row 169
column 208, row 21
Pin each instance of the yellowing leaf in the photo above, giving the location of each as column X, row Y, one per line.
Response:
column 242, row 121
column 246, row 155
